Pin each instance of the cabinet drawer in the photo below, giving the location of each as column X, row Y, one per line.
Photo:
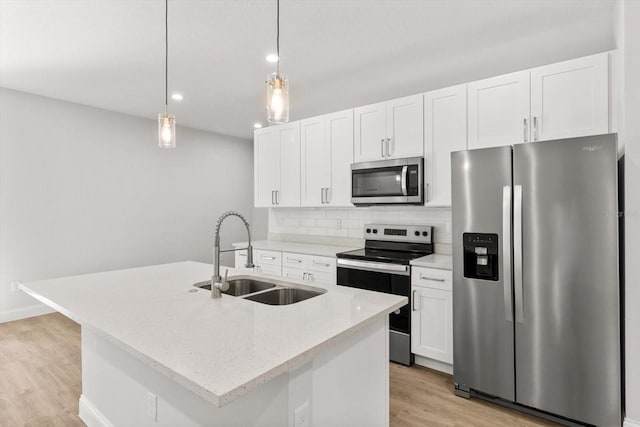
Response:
column 309, row 262
column 293, row 273
column 275, row 270
column 432, row 278
column 263, row 257
column 310, row 277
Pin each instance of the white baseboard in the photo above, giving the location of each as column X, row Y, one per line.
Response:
column 91, row 416
column 435, row 364
column 24, row 312
column 628, row 422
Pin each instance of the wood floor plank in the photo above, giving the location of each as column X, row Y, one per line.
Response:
column 40, row 383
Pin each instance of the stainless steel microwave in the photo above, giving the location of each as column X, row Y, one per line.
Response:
column 387, row 182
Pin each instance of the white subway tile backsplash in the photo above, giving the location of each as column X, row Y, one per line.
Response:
column 349, row 222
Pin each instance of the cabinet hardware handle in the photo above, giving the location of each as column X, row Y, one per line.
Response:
column 273, row 192
column 426, row 192
column 322, row 195
column 382, row 147
column 525, row 129
column 304, row 276
column 535, row 128
column 295, row 260
column 272, row 258
column 310, row 276
column 413, row 300
column 389, row 153
column 435, row 279
column 277, row 197
column 322, row 264
column 328, row 195
column 242, row 254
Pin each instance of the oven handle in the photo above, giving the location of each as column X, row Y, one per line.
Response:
column 404, row 180
column 382, row 267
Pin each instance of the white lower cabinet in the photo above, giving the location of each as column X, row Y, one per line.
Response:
column 432, row 314
column 311, row 268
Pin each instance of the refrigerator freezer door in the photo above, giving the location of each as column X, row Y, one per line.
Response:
column 482, row 306
column 568, row 319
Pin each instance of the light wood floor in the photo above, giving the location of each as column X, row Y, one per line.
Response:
column 40, row 384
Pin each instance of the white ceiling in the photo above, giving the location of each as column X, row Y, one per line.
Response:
column 337, row 53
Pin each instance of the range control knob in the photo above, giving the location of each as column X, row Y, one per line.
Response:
column 375, row 231
column 368, row 230
column 417, row 233
column 425, row 234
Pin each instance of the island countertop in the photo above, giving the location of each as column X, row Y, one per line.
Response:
column 219, row 349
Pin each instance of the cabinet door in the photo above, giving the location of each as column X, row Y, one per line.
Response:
column 445, row 124
column 266, row 164
column 316, row 160
column 293, row 273
column 570, row 98
column 405, row 127
column 340, row 141
column 289, row 188
column 499, row 111
column 369, row 131
column 431, row 319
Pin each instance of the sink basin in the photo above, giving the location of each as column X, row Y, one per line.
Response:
column 238, row 287
column 283, row 296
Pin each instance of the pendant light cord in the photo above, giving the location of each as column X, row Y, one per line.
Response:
column 166, row 55
column 278, row 35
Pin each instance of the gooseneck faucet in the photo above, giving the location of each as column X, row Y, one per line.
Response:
column 217, row 283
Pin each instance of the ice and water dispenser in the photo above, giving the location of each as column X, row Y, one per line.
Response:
column 480, row 256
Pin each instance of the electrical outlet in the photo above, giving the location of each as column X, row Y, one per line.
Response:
column 301, row 416
column 152, row 406
column 15, row 285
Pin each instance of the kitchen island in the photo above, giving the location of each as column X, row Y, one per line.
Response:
column 157, row 351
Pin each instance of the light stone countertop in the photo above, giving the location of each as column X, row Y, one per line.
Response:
column 299, row 248
column 219, row 349
column 439, row 261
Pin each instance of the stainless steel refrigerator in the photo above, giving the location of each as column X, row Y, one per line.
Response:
column 536, row 295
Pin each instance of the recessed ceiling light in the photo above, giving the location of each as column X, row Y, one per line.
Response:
column 177, row 97
column 257, row 125
column 272, row 57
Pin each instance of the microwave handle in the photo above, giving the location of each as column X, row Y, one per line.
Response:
column 404, row 180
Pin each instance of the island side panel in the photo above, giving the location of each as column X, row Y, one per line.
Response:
column 119, row 390
column 347, row 384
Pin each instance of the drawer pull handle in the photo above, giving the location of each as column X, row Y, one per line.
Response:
column 434, row 279
column 272, row 258
column 413, row 300
column 294, row 260
column 321, row 264
column 242, row 254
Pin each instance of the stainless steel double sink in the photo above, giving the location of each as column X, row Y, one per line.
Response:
column 266, row 291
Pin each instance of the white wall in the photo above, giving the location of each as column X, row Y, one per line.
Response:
column 628, row 37
column 85, row 190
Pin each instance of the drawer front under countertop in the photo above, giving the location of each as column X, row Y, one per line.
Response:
column 309, row 262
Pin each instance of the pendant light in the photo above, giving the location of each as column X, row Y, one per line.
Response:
column 166, row 121
column 277, row 85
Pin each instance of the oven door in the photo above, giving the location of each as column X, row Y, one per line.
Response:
column 391, row 279
column 387, row 182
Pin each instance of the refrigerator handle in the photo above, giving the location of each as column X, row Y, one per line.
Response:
column 506, row 252
column 517, row 252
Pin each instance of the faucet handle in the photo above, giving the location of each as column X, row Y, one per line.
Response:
column 225, row 284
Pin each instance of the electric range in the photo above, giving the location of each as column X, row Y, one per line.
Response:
column 383, row 265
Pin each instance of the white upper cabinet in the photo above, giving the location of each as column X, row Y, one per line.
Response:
column 370, row 132
column 266, row 166
column 445, row 126
column 389, row 130
column 277, row 166
column 499, row 110
column 340, row 140
column 327, row 154
column 570, row 98
column 405, row 127
column 315, row 154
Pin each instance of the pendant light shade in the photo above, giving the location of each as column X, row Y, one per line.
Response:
column 166, row 121
column 277, row 85
column 166, row 130
column 278, row 98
